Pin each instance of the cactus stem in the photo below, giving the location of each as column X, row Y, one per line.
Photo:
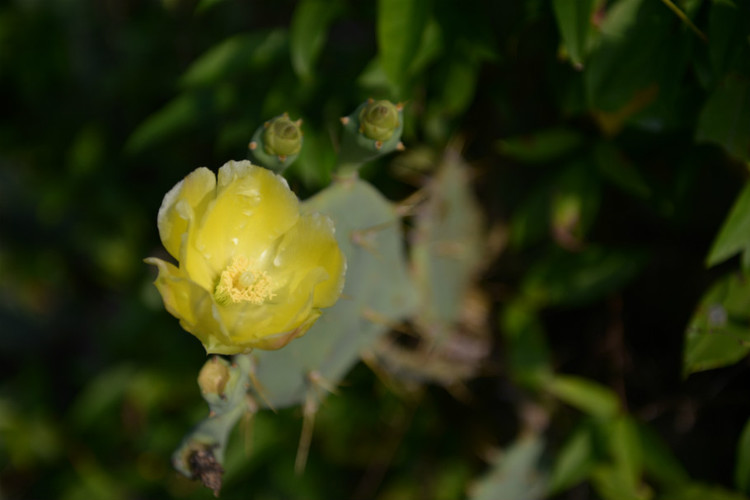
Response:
column 308, row 423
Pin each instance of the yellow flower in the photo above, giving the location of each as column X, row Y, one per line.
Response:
column 252, row 271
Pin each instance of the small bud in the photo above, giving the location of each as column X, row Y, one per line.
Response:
column 282, row 137
column 213, row 377
column 372, row 130
column 276, row 144
column 378, row 120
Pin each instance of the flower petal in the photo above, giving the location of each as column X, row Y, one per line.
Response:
column 253, row 207
column 192, row 305
column 308, row 246
column 182, row 206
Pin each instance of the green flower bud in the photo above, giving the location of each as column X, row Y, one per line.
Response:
column 282, row 137
column 378, row 120
column 276, row 144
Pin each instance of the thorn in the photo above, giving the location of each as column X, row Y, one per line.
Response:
column 400, row 146
column 282, row 158
column 319, row 381
column 399, row 106
column 344, row 120
column 378, row 144
column 308, row 422
column 211, row 414
column 259, row 388
column 285, row 115
column 298, row 122
column 266, row 124
column 370, row 100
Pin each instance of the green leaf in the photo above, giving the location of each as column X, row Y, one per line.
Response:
column 619, row 171
column 698, row 491
column 236, row 55
column 584, row 394
column 742, row 467
column 725, row 118
column 308, row 30
column 734, row 236
column 528, row 352
column 459, row 85
column 625, row 447
column 575, row 461
column 566, row 278
column 574, row 22
column 719, row 331
column 515, row 475
column 176, row 116
column 659, row 462
column 640, row 56
column 400, row 25
column 541, row 147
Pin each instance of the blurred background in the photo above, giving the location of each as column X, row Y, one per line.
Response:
column 607, row 140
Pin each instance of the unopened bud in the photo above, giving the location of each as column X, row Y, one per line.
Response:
column 213, row 377
column 378, row 120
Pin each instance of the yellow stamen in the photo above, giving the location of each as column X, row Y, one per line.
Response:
column 240, row 282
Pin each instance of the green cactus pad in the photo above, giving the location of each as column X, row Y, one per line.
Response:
column 448, row 249
column 378, row 293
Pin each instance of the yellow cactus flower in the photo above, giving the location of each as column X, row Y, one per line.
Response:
column 252, row 272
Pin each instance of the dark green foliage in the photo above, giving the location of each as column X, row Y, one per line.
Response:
column 607, row 142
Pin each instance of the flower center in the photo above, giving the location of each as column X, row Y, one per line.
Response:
column 240, row 282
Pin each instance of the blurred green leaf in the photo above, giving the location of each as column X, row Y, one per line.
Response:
column 307, row 33
column 640, row 57
column 698, row 491
column 625, row 447
column 574, row 22
column 719, row 332
column 566, row 278
column 728, row 27
column 459, row 85
column 585, row 395
column 611, row 484
column 316, row 161
column 725, row 118
column 659, row 462
column 239, row 54
column 734, row 235
column 528, row 352
column 616, row 168
column 400, row 24
column 515, row 475
column 575, row 461
column 543, row 146
column 178, row 115
column 742, row 466
column 430, row 48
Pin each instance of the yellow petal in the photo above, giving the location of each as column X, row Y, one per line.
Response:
column 183, row 206
column 311, row 245
column 192, row 305
column 253, row 207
